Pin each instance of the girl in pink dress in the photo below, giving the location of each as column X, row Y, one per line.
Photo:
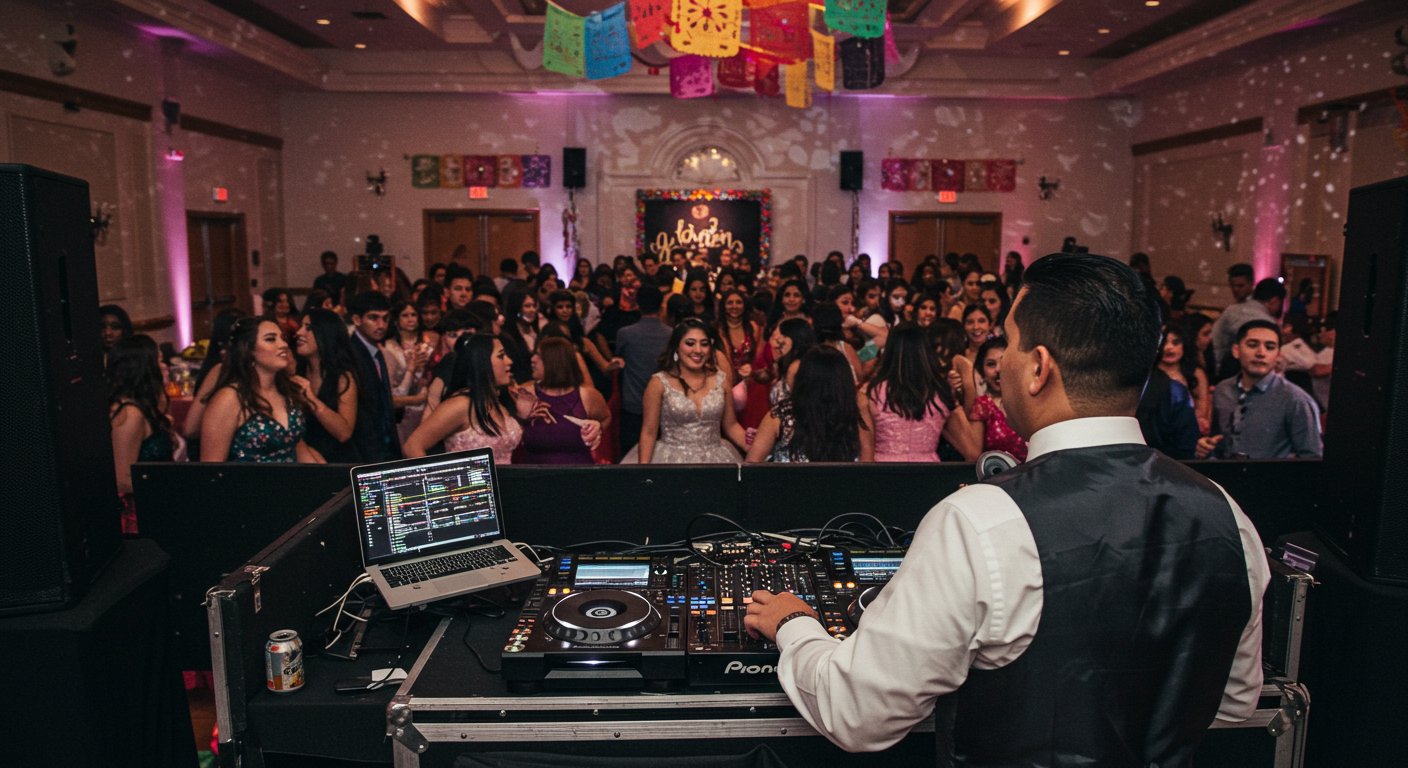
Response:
column 480, row 413
column 997, row 434
column 911, row 405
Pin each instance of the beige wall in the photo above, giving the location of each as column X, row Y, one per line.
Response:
column 124, row 158
column 635, row 141
column 1294, row 192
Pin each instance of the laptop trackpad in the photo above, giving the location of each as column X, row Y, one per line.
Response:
column 460, row 583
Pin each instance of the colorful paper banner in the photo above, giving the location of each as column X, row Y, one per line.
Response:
column 824, row 60
column 706, row 27
column 691, row 76
column 607, row 44
column 799, row 88
column 564, row 41
column 862, row 63
column 537, row 170
column 781, row 31
column 947, row 175
column 510, row 171
column 738, row 71
column 892, row 51
column 862, row 18
column 481, row 170
column 648, row 20
column 425, row 171
column 1001, row 175
column 767, row 81
column 451, row 171
column 894, row 174
column 920, row 175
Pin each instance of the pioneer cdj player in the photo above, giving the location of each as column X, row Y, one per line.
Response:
column 656, row 623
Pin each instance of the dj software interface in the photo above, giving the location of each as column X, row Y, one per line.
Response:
column 416, row 507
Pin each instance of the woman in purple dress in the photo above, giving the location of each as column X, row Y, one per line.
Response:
column 568, row 420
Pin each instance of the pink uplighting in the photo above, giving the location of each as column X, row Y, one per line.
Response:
column 171, row 200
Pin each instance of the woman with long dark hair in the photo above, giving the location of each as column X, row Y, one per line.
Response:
column 114, row 324
column 911, row 405
column 688, row 411
column 927, row 307
column 481, row 412
column 581, row 275
column 997, row 303
column 821, row 420
column 971, row 292
column 327, row 378
column 209, row 373
column 1197, row 333
column 407, row 352
column 256, row 412
column 570, row 425
column 1178, row 359
column 790, row 341
column 1167, row 412
column 988, row 409
column 1012, row 273
column 1175, row 294
column 141, row 430
column 280, row 307
column 739, row 334
column 701, row 299
column 793, row 301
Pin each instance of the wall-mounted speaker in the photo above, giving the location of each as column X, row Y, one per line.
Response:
column 56, row 455
column 1366, row 439
column 852, row 171
column 574, row 167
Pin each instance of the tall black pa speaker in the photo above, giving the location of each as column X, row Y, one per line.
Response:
column 574, row 167
column 852, row 171
column 62, row 524
column 1365, row 513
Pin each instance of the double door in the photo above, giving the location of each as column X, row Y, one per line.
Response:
column 917, row 234
column 479, row 239
column 218, row 267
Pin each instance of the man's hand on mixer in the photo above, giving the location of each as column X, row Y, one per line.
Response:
column 768, row 610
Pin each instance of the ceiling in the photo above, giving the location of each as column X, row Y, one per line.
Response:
column 1086, row 47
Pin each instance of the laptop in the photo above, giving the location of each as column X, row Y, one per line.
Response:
column 433, row 528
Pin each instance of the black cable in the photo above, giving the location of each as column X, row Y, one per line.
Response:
column 405, row 634
column 468, row 625
column 819, row 536
column 689, row 538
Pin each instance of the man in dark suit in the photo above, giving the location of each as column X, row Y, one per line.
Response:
column 375, row 431
column 638, row 346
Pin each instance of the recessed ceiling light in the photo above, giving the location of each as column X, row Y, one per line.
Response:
column 1103, row 31
column 1064, row 53
column 324, row 21
column 1151, row 3
column 360, row 45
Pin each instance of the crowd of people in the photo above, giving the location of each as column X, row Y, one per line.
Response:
column 689, row 360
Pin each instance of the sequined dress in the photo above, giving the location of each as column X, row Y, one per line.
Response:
column 998, row 435
column 690, row 434
column 900, row 439
column 262, row 439
column 503, row 444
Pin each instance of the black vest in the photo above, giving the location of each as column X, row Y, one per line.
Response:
column 1145, row 597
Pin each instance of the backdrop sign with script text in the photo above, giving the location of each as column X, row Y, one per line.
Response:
column 704, row 219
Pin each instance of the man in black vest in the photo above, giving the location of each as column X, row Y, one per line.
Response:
column 1099, row 605
column 374, row 434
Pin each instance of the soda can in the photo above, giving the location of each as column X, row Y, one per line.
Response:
column 283, row 662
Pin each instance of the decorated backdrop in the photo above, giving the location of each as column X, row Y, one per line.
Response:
column 707, row 219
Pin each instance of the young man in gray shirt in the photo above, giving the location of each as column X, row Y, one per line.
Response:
column 639, row 346
column 1257, row 414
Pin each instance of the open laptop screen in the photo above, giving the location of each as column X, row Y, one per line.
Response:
column 407, row 509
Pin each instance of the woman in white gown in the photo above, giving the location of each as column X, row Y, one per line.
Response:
column 688, row 417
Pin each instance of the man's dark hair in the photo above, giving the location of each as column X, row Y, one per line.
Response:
column 509, row 266
column 454, row 271
column 1269, row 289
column 649, row 298
column 485, row 288
column 368, row 301
column 1096, row 318
column 327, row 255
column 648, row 257
column 531, row 257
column 1241, row 269
column 486, row 312
column 1252, row 325
column 459, row 320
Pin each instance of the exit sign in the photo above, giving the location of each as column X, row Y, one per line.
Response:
column 948, row 196
column 220, row 194
column 478, row 193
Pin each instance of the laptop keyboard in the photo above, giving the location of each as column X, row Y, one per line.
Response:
column 459, row 562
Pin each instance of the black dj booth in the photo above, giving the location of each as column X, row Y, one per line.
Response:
column 453, row 710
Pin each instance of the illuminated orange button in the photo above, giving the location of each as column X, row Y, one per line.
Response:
column 849, row 585
column 552, row 591
column 747, row 601
column 711, row 613
column 694, row 613
column 728, row 601
column 836, row 585
column 567, row 591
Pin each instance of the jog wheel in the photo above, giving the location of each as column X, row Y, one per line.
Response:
column 601, row 617
column 857, row 607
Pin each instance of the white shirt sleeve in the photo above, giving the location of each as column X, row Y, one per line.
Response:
column 1243, row 689
column 967, row 594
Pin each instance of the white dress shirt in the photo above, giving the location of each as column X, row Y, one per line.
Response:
column 968, row 594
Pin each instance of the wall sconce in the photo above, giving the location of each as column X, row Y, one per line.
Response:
column 99, row 221
column 1047, row 187
column 377, row 184
column 1399, row 64
column 1223, row 230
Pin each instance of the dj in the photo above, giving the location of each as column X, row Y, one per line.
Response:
column 1098, row 605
